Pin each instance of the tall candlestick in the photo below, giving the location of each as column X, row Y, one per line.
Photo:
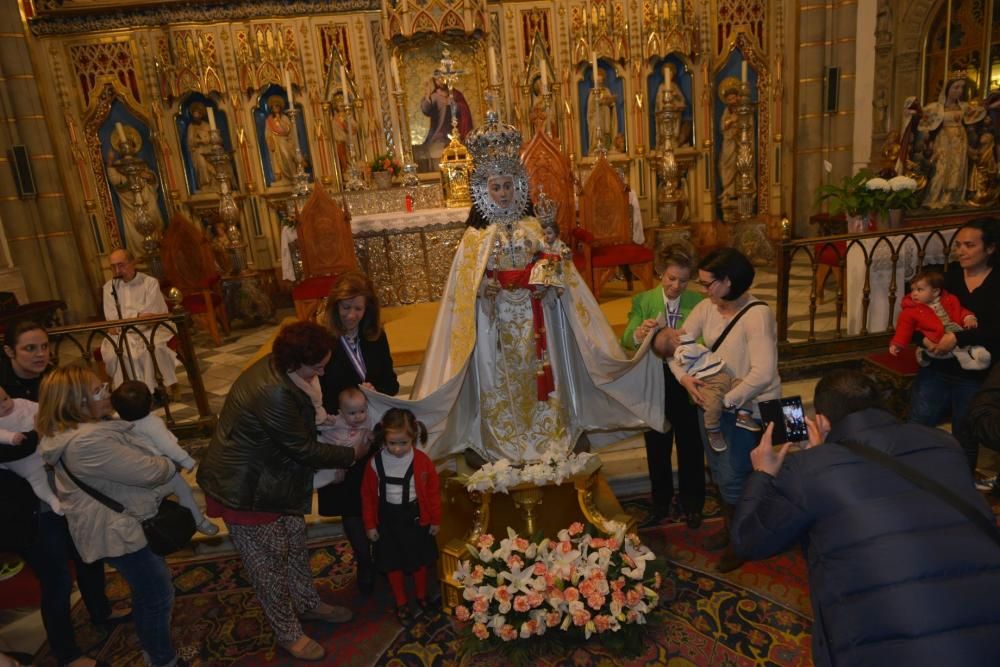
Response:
column 669, row 75
column 743, row 71
column 288, row 89
column 593, row 63
column 120, row 130
column 491, row 61
column 211, row 119
column 343, row 83
column 545, row 77
column 394, row 68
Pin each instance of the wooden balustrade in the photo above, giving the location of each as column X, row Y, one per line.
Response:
column 84, row 340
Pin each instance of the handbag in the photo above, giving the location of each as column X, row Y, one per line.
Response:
column 931, row 486
column 167, row 531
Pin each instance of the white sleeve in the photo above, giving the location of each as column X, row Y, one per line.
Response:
column 153, row 301
column 159, row 436
column 760, row 332
column 110, row 312
column 694, row 326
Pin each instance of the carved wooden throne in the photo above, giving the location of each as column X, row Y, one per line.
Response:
column 327, row 249
column 189, row 265
column 549, row 169
column 606, row 234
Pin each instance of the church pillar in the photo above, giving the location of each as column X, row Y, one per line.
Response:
column 39, row 234
column 864, row 82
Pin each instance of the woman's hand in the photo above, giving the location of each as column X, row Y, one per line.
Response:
column 943, row 346
column 368, row 385
column 643, row 329
column 372, row 535
column 433, row 530
column 693, row 386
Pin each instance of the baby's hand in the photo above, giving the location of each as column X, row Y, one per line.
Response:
column 17, row 439
column 433, row 530
column 372, row 535
column 970, row 322
column 330, row 420
column 894, row 350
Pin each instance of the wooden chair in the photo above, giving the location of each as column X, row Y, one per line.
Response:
column 605, row 232
column 550, row 170
column 189, row 265
column 326, row 245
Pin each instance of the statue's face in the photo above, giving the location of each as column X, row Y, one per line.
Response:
column 197, row 113
column 501, row 190
column 956, row 89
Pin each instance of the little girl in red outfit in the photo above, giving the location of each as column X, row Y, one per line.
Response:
column 401, row 506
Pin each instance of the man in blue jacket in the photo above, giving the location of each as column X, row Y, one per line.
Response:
column 897, row 575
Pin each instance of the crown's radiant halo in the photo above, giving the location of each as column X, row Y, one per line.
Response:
column 546, row 208
column 496, row 151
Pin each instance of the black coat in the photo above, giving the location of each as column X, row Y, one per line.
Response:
column 983, row 419
column 344, row 499
column 264, row 451
column 896, row 575
column 18, row 505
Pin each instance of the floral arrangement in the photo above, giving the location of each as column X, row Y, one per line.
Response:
column 553, row 468
column 863, row 193
column 579, row 585
column 386, row 162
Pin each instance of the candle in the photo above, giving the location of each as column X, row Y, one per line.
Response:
column 394, row 68
column 343, row 82
column 211, row 119
column 743, row 71
column 491, row 61
column 122, row 139
column 288, row 89
column 593, row 63
column 545, row 78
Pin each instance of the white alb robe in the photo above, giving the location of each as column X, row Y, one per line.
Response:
column 140, row 295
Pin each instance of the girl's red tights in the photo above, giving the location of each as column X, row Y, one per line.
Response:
column 398, row 585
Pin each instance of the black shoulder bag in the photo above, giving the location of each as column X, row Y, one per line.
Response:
column 167, row 531
column 732, row 323
column 929, row 485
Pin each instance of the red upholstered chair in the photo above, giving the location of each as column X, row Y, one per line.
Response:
column 189, row 265
column 326, row 245
column 606, row 238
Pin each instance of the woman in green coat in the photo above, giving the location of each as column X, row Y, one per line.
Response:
column 668, row 306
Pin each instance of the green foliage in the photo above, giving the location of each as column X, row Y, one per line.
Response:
column 851, row 197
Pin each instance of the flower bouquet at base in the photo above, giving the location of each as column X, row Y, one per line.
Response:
column 549, row 593
column 554, row 467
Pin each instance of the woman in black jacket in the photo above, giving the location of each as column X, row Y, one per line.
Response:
column 258, row 474
column 360, row 357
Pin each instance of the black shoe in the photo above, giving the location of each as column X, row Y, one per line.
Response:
column 693, row 520
column 403, row 614
column 426, row 607
column 112, row 621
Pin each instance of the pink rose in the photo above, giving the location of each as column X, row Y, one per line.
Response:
column 502, row 594
column 553, row 618
column 571, row 594
column 633, row 597
column 602, row 623
column 597, row 542
column 575, row 528
column 565, row 547
column 581, row 617
column 480, row 631
column 535, row 599
column 515, row 561
column 587, row 588
column 480, row 605
column 540, row 569
column 521, row 544
column 462, row 612
column 478, row 572
column 485, row 541
column 508, row 633
column 595, row 601
column 521, row 604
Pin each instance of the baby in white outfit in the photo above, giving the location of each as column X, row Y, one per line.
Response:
column 17, row 417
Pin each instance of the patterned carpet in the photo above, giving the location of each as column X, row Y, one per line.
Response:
column 758, row 616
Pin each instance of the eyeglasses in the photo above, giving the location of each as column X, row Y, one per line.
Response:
column 707, row 285
column 102, row 393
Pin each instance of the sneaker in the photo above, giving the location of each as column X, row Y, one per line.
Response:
column 717, row 441
column 745, row 420
column 206, row 527
column 985, row 482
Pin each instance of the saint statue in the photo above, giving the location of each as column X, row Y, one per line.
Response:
column 729, row 92
column 199, row 145
column 539, row 115
column 983, row 176
column 128, row 200
column 281, row 140
column 435, row 106
column 340, row 130
column 945, row 121
column 673, row 94
column 602, row 117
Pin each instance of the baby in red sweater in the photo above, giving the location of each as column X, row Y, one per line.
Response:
column 932, row 311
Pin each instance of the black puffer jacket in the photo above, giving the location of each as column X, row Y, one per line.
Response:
column 264, row 451
column 984, row 413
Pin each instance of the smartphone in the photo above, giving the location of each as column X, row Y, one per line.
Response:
column 788, row 417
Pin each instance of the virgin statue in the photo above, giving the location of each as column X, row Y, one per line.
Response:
column 946, row 120
column 729, row 92
column 515, row 370
column 199, row 145
column 281, row 140
column 673, row 94
column 602, row 118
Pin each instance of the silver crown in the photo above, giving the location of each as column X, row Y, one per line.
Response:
column 495, row 146
column 546, row 208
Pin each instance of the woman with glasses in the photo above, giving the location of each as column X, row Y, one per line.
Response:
column 84, row 446
column 258, row 476
column 38, row 535
column 742, row 331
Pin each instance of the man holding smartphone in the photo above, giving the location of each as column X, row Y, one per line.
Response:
column 903, row 553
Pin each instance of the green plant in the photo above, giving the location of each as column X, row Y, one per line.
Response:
column 386, row 162
column 852, row 197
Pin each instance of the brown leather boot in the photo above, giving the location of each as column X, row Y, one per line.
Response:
column 720, row 540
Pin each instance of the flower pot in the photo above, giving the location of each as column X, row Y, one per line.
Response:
column 858, row 224
column 383, row 179
column 895, row 218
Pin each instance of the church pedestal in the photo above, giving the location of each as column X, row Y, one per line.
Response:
column 533, row 511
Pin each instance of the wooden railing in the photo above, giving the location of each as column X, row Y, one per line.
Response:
column 84, row 341
column 874, row 267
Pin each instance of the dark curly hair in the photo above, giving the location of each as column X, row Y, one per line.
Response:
column 300, row 344
column 399, row 419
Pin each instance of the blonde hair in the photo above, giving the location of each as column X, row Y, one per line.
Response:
column 64, row 400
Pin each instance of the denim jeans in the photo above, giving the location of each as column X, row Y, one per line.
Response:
column 931, row 396
column 730, row 468
column 152, row 602
column 49, row 558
